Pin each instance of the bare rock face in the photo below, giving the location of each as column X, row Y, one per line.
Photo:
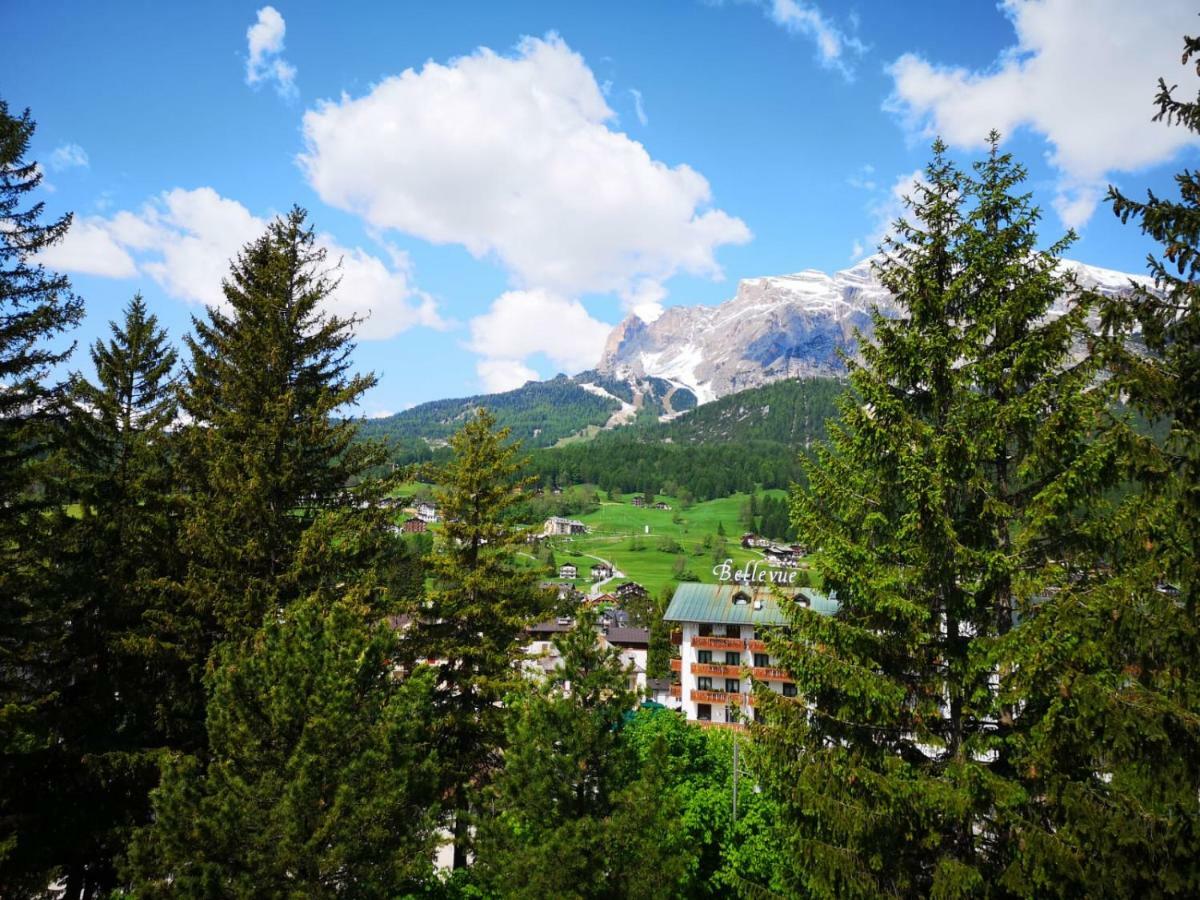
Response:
column 775, row 327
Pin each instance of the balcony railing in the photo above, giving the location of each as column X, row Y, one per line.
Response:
column 715, row 669
column 757, row 646
column 718, row 643
column 708, row 723
column 719, row 697
column 676, row 664
column 677, row 690
column 769, row 673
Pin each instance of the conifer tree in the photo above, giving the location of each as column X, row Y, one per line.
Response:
column 320, row 778
column 950, row 499
column 1114, row 675
column 563, row 767
column 268, row 377
column 118, row 703
column 473, row 619
column 36, row 309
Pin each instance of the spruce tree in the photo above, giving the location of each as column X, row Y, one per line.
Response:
column 950, row 499
column 120, row 699
column 266, row 451
column 563, row 767
column 1114, row 676
column 320, row 778
column 472, row 622
column 36, row 309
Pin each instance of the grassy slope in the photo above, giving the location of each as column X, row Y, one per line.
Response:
column 616, row 526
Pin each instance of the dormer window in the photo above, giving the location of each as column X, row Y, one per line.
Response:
column 741, row 598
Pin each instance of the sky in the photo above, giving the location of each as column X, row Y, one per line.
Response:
column 504, row 182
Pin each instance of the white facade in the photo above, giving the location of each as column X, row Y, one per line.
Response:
column 717, row 671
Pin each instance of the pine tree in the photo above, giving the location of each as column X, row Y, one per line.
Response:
column 320, row 778
column 563, row 768
column 1114, row 676
column 266, row 452
column 951, row 498
column 122, row 689
column 477, row 608
column 36, row 309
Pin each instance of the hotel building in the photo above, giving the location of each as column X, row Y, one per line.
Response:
column 721, row 652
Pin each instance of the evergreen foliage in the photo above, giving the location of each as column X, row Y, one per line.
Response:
column 320, row 778
column 36, row 309
column 476, row 609
column 949, row 502
column 265, row 454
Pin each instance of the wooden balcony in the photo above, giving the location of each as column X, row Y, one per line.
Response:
column 677, row 690
column 718, row 643
column 732, row 726
column 768, row 673
column 714, row 669
column 677, row 637
column 676, row 664
column 757, row 646
column 721, row 698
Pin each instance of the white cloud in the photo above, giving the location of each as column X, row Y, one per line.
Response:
column 1082, row 74
column 834, row 46
column 185, row 240
column 884, row 209
column 265, row 62
column 498, row 375
column 68, row 156
column 89, row 248
column 513, row 158
column 638, row 108
column 522, row 323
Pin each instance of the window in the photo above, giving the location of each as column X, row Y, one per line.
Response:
column 761, row 660
column 704, row 712
column 732, row 685
column 733, row 658
column 704, row 683
column 789, row 689
column 704, row 656
column 705, row 629
column 733, row 631
column 731, row 714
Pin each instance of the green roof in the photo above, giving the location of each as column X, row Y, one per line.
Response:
column 695, row 602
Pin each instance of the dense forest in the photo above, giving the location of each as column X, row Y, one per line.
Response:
column 225, row 672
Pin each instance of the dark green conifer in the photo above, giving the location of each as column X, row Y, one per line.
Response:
column 479, row 603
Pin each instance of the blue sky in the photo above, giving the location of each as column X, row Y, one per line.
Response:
column 505, row 181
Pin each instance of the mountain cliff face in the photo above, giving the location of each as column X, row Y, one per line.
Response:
column 775, row 327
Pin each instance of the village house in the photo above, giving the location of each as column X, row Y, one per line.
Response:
column 568, row 570
column 633, row 645
column 555, row 526
column 630, row 590
column 414, row 525
column 720, row 650
column 427, row 512
column 639, row 501
column 661, row 505
column 750, row 540
column 601, row 571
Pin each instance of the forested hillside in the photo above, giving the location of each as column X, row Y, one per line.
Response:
column 539, row 413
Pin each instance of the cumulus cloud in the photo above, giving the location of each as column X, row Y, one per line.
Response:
column 523, row 323
column 1082, row 74
column 265, row 62
column 497, row 375
column 514, row 158
column 185, row 239
column 68, row 156
column 835, row 48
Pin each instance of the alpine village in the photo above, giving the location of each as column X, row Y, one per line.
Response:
column 878, row 583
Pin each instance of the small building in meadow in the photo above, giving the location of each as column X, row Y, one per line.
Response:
column 556, row 526
column 601, row 572
column 567, row 570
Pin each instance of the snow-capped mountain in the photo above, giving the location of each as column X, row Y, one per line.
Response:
column 774, row 327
